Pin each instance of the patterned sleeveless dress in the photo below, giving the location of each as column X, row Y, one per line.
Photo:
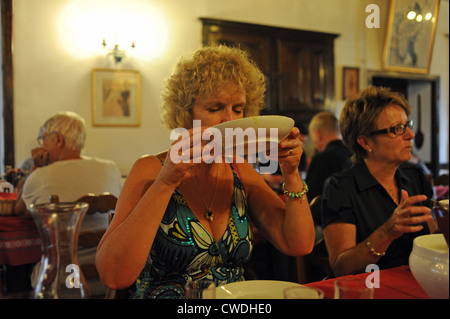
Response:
column 183, row 250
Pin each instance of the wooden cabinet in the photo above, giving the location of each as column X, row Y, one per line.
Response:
column 298, row 64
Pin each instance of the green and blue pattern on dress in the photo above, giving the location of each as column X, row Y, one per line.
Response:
column 183, row 250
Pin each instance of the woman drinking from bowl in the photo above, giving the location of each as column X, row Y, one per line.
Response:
column 184, row 221
column 372, row 212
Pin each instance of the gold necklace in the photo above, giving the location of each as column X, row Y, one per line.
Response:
column 209, row 215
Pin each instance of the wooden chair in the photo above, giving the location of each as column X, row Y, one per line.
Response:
column 102, row 203
column 316, row 206
column 315, row 266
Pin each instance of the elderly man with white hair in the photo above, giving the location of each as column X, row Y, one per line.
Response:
column 59, row 168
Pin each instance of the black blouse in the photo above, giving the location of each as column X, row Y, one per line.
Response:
column 354, row 196
column 334, row 158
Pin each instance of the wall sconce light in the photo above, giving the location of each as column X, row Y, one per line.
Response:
column 118, row 54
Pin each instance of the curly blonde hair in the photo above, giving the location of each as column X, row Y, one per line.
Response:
column 203, row 73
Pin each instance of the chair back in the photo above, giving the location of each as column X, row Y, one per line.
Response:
column 315, row 206
column 102, row 203
column 316, row 265
column 88, row 240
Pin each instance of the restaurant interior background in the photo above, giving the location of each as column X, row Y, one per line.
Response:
column 57, row 43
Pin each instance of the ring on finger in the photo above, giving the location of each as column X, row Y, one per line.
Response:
column 184, row 156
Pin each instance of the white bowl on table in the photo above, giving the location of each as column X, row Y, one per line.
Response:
column 262, row 289
column 429, row 265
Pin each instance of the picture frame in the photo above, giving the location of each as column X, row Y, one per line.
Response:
column 116, row 97
column 350, row 82
column 409, row 40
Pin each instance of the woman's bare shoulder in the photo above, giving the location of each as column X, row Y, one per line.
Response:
column 151, row 160
column 146, row 165
column 245, row 169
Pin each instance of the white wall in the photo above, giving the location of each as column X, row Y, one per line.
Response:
column 54, row 54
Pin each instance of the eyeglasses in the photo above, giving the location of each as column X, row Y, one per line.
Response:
column 399, row 129
column 41, row 138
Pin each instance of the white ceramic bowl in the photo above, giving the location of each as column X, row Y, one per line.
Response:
column 429, row 264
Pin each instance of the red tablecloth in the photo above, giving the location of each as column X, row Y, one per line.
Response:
column 395, row 283
column 20, row 242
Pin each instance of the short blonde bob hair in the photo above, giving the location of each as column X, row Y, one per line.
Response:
column 359, row 115
column 203, row 73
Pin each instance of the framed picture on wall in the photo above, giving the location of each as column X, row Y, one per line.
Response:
column 350, row 82
column 116, row 97
column 410, row 35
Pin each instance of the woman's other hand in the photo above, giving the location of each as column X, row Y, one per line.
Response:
column 407, row 217
column 290, row 151
column 187, row 151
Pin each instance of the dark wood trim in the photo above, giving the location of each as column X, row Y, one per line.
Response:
column 8, row 81
column 273, row 31
column 298, row 64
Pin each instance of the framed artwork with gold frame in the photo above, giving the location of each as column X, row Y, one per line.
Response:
column 116, row 97
column 410, row 35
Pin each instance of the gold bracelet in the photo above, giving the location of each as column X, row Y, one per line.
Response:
column 293, row 194
column 373, row 250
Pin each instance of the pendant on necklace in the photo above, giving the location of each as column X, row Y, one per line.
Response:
column 209, row 216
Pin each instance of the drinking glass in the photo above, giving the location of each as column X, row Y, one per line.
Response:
column 352, row 288
column 200, row 289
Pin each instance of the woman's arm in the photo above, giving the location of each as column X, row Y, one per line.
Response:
column 347, row 257
column 289, row 226
column 125, row 246
column 124, row 249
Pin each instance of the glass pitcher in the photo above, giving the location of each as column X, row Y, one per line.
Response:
column 59, row 275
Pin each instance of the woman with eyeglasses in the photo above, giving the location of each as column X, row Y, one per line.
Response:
column 372, row 212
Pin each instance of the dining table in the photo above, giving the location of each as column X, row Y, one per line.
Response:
column 20, row 249
column 20, row 242
column 394, row 283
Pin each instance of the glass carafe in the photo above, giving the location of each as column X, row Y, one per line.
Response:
column 59, row 275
